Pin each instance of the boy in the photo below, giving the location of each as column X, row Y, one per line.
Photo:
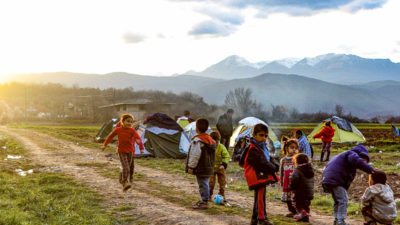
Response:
column 378, row 201
column 304, row 146
column 302, row 183
column 221, row 163
column 259, row 170
column 200, row 161
column 338, row 175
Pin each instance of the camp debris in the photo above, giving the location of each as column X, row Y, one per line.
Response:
column 345, row 132
column 163, row 137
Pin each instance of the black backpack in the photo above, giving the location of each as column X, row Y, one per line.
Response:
column 242, row 144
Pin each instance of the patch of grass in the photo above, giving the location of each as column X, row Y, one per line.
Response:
column 48, row 198
column 123, row 208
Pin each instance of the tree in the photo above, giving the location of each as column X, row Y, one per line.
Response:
column 339, row 110
column 240, row 100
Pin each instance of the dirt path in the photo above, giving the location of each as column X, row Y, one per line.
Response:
column 147, row 207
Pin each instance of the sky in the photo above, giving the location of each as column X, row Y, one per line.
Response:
column 164, row 37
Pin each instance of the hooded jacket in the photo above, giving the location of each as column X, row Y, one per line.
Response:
column 341, row 170
column 326, row 134
column 225, row 125
column 302, row 182
column 201, row 156
column 380, row 198
column 258, row 171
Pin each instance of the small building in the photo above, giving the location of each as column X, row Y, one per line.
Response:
column 138, row 108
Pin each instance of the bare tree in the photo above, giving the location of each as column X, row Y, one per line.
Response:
column 339, row 110
column 240, row 100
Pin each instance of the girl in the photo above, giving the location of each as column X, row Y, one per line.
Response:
column 127, row 136
column 302, row 184
column 326, row 135
column 290, row 148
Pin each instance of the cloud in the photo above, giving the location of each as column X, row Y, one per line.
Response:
column 297, row 7
column 227, row 16
column 132, row 38
column 212, row 28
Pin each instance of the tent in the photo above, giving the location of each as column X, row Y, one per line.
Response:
column 106, row 129
column 164, row 138
column 245, row 128
column 183, row 121
column 345, row 132
column 190, row 130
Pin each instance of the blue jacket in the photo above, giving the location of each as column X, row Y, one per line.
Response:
column 341, row 170
column 304, row 146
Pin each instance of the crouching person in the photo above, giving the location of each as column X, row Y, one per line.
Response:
column 378, row 201
column 259, row 168
column 200, row 161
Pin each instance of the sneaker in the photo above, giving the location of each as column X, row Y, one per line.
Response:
column 341, row 222
column 265, row 222
column 126, row 186
column 300, row 216
column 201, row 205
column 290, row 215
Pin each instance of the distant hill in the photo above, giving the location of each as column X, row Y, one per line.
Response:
column 118, row 80
column 303, row 93
column 338, row 68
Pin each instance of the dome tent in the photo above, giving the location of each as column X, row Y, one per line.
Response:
column 245, row 128
column 345, row 132
column 190, row 130
column 164, row 138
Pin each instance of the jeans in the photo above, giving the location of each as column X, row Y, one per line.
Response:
column 204, row 189
column 340, row 198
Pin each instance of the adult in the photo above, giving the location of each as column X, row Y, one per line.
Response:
column 340, row 173
column 225, row 127
column 304, row 146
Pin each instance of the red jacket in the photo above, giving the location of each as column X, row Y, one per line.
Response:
column 126, row 139
column 258, row 171
column 326, row 134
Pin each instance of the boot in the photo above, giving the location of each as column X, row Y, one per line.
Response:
column 265, row 222
column 253, row 221
column 126, row 185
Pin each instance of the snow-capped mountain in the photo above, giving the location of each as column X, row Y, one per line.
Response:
column 329, row 67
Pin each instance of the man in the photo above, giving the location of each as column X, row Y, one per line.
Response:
column 225, row 127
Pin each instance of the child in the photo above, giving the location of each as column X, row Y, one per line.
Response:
column 378, row 201
column 221, row 163
column 338, row 175
column 290, row 148
column 127, row 136
column 302, row 184
column 304, row 146
column 259, row 169
column 326, row 135
column 200, row 161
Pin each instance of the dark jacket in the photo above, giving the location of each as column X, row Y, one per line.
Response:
column 302, row 182
column 201, row 156
column 225, row 126
column 258, row 171
column 326, row 134
column 341, row 170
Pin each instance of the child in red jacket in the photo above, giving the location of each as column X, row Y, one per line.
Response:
column 326, row 135
column 259, row 169
column 127, row 136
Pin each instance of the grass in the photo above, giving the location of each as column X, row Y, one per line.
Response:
column 44, row 197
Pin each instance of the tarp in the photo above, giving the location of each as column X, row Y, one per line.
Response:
column 245, row 128
column 190, row 130
column 342, row 123
column 341, row 136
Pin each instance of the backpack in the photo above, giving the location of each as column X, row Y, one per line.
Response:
column 242, row 144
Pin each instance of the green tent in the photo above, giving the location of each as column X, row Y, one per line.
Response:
column 345, row 132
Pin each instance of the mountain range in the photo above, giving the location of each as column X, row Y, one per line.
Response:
column 338, row 68
column 303, row 93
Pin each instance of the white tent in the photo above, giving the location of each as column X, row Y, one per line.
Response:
column 190, row 130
